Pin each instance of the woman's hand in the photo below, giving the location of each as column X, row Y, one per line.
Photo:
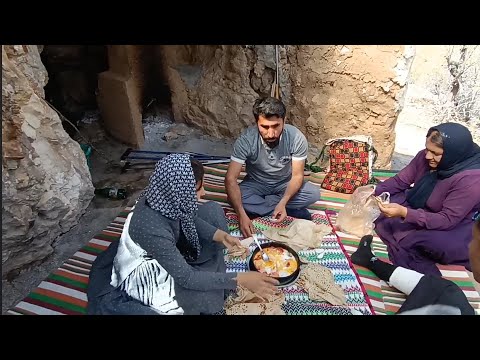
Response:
column 230, row 241
column 226, row 239
column 393, row 210
column 258, row 283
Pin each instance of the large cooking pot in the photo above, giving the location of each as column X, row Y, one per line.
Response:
column 282, row 280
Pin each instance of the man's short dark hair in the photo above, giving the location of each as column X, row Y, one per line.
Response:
column 268, row 107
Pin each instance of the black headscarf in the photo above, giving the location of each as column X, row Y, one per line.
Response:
column 459, row 153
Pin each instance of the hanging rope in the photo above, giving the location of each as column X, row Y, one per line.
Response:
column 275, row 92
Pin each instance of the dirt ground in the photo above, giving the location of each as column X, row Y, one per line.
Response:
column 105, row 170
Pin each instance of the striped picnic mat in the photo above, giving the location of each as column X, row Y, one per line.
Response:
column 384, row 298
column 63, row 292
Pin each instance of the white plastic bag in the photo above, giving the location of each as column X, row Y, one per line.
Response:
column 359, row 213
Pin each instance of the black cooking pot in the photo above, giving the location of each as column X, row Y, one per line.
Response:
column 282, row 280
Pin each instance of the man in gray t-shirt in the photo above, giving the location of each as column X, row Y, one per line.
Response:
column 274, row 156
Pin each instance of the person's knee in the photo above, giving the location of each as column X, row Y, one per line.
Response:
column 211, row 207
column 314, row 193
column 245, row 193
column 243, row 200
column 310, row 194
column 213, row 213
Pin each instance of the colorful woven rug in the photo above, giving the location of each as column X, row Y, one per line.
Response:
column 297, row 301
column 383, row 298
column 63, row 292
column 386, row 299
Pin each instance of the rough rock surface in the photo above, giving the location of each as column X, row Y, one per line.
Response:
column 329, row 90
column 210, row 87
column 345, row 90
column 46, row 184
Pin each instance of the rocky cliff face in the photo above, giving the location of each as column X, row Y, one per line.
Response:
column 46, row 184
column 329, row 90
column 346, row 90
column 210, row 86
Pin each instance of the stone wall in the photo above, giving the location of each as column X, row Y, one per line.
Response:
column 329, row 90
column 210, row 86
column 46, row 184
column 345, row 90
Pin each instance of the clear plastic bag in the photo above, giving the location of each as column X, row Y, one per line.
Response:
column 359, row 213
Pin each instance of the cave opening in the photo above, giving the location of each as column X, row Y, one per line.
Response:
column 120, row 88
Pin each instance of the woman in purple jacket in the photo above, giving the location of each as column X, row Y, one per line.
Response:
column 431, row 222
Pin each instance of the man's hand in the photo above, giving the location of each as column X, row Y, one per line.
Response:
column 246, row 226
column 234, row 197
column 393, row 210
column 295, row 183
column 280, row 212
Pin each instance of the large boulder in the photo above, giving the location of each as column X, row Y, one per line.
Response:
column 46, row 183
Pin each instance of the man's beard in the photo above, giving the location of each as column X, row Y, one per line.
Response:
column 272, row 144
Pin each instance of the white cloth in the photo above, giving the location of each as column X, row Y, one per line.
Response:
column 404, row 280
column 143, row 279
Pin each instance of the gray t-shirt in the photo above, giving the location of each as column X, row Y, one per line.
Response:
column 265, row 165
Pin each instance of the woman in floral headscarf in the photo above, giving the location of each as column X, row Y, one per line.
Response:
column 169, row 259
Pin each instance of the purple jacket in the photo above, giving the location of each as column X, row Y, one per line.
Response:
column 452, row 202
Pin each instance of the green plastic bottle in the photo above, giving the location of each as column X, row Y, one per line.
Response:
column 112, row 193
